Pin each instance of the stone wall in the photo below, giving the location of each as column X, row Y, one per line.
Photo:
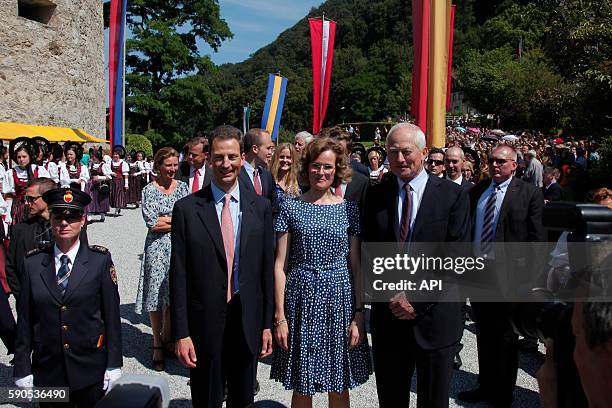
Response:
column 53, row 73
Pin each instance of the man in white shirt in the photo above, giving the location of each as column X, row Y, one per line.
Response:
column 453, row 163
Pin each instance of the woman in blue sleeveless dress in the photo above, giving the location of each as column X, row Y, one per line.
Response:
column 319, row 322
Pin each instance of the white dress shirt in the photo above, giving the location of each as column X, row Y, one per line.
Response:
column 201, row 171
column 480, row 213
column 418, row 184
column 72, row 253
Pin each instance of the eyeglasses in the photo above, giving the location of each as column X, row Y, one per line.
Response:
column 316, row 168
column 69, row 218
column 499, row 162
column 31, row 199
column 435, row 162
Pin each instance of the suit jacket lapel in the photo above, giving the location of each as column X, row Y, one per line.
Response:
column 513, row 188
column 49, row 278
column 392, row 202
column 427, row 201
column 247, row 203
column 208, row 215
column 77, row 272
column 246, row 180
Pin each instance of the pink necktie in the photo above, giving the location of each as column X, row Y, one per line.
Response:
column 195, row 186
column 338, row 190
column 227, row 231
column 257, row 182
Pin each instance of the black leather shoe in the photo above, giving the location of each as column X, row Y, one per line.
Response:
column 473, row 396
column 457, row 363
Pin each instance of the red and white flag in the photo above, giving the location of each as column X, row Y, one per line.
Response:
column 322, row 36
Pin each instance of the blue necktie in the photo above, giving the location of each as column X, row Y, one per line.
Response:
column 63, row 274
column 488, row 226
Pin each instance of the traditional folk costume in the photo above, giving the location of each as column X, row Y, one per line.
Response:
column 99, row 187
column 15, row 183
column 118, row 196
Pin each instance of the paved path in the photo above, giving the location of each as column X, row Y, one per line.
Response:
column 124, row 236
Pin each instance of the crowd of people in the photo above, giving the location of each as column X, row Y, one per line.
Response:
column 254, row 250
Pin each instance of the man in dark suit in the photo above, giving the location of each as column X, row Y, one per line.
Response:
column 414, row 206
column 552, row 190
column 194, row 170
column 221, row 284
column 258, row 151
column 68, row 310
column 29, row 234
column 435, row 162
column 504, row 209
column 454, row 159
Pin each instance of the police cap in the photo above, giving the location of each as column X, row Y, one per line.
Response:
column 66, row 200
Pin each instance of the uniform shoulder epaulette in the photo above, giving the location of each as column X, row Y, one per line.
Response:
column 42, row 248
column 99, row 248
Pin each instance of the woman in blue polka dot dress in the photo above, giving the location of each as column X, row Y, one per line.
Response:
column 319, row 321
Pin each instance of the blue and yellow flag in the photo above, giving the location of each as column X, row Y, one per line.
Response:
column 273, row 108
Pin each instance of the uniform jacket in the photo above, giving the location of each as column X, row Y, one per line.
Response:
column 26, row 236
column 73, row 338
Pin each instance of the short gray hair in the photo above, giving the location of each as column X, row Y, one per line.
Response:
column 457, row 150
column 304, row 135
column 416, row 135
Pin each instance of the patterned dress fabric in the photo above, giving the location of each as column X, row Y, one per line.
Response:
column 153, row 289
column 280, row 196
column 319, row 300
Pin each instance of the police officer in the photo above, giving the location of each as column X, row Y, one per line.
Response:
column 68, row 309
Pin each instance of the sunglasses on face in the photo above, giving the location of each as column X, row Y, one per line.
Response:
column 435, row 162
column 31, row 199
column 499, row 162
column 69, row 218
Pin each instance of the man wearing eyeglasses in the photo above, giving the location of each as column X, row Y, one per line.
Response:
column 29, row 234
column 69, row 328
column 504, row 210
column 435, row 162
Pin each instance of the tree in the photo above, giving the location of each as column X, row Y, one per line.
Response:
column 162, row 57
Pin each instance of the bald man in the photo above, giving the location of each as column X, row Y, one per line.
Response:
column 504, row 210
column 453, row 163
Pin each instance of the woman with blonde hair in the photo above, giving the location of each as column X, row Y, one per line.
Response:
column 285, row 168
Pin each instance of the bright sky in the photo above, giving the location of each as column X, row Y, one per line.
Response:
column 256, row 23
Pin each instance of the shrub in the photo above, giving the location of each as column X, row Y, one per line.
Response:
column 139, row 142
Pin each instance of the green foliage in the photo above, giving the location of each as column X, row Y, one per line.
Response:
column 167, row 100
column 563, row 79
column 139, row 142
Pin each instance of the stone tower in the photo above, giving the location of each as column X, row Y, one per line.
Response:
column 52, row 63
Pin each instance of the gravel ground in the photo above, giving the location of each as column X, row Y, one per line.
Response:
column 124, row 236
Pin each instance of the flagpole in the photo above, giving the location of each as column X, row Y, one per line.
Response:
column 123, row 78
column 323, row 68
